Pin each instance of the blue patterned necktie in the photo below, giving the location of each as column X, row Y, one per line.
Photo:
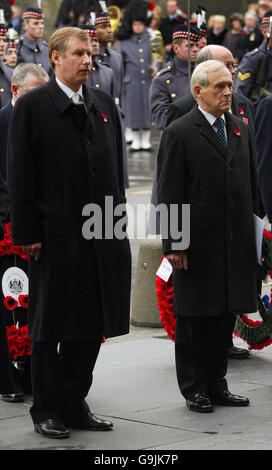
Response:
column 221, row 131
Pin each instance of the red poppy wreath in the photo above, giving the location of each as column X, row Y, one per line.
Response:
column 257, row 334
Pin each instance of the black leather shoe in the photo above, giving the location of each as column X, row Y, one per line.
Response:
column 52, row 428
column 238, row 353
column 13, row 397
column 226, row 398
column 199, row 402
column 92, row 423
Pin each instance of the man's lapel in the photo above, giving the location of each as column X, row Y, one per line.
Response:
column 233, row 134
column 207, row 131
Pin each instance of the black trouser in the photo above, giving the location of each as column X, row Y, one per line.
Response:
column 61, row 379
column 201, row 349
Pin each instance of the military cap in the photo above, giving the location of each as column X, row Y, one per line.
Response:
column 91, row 30
column 3, row 28
column 266, row 19
column 102, row 18
column 182, row 32
column 33, row 13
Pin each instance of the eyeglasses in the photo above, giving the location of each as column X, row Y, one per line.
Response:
column 232, row 67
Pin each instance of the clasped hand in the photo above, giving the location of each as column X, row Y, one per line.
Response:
column 178, row 260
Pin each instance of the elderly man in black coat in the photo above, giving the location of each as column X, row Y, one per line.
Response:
column 206, row 159
column 241, row 107
column 65, row 164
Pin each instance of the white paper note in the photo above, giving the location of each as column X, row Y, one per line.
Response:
column 165, row 270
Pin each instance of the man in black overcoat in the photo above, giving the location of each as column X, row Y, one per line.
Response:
column 67, row 155
column 206, row 159
column 241, row 107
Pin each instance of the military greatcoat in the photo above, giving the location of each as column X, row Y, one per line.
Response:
column 5, row 83
column 101, row 76
column 136, row 52
column 248, row 70
column 35, row 52
column 170, row 83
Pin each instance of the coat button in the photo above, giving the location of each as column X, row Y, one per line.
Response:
column 141, row 50
column 173, row 95
column 92, row 171
column 168, row 82
column 141, row 60
column 231, row 235
column 2, row 90
column 143, row 82
column 231, row 201
column 97, row 85
column 87, row 141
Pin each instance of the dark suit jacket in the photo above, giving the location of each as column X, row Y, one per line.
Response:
column 241, row 107
column 5, row 117
column 220, row 187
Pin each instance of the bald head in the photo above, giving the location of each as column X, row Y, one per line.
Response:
column 215, row 52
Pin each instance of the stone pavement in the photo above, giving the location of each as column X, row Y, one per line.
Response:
column 135, row 386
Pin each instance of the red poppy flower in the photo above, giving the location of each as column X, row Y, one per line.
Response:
column 241, row 111
column 10, row 303
column 104, row 117
column 237, row 131
column 23, row 301
column 245, row 120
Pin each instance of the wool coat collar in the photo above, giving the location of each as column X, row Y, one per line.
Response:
column 208, row 132
column 62, row 102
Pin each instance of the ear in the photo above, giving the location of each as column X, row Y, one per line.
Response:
column 14, row 89
column 55, row 56
column 197, row 91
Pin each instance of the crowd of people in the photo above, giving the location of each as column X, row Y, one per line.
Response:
column 111, row 71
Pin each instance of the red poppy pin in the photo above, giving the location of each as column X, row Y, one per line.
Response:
column 104, row 117
column 245, row 120
column 237, row 131
column 241, row 111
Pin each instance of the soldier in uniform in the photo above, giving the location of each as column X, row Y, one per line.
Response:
column 11, row 54
column 135, row 49
column 172, row 81
column 249, row 68
column 31, row 47
column 5, row 71
column 113, row 59
column 101, row 75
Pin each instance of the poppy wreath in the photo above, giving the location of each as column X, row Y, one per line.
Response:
column 257, row 334
column 19, row 343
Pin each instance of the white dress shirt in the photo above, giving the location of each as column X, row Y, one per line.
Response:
column 68, row 91
column 211, row 120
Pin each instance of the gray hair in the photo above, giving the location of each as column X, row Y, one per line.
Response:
column 203, row 55
column 201, row 73
column 251, row 13
column 22, row 71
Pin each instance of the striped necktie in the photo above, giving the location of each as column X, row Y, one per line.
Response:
column 221, row 131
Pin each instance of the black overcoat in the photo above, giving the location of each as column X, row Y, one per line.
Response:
column 55, row 168
column 220, row 186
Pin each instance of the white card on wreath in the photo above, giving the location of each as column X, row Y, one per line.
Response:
column 14, row 282
column 165, row 270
